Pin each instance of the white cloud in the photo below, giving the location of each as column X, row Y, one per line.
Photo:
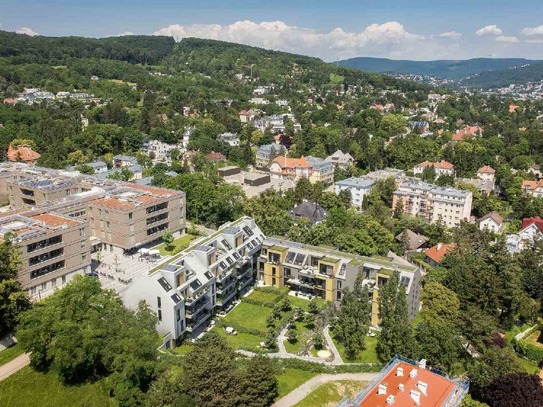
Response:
column 387, row 39
column 510, row 40
column 27, row 31
column 124, row 33
column 530, row 31
column 453, row 35
column 534, row 41
column 489, row 30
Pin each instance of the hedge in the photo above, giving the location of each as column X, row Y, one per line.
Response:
column 529, row 351
column 322, row 368
column 267, row 304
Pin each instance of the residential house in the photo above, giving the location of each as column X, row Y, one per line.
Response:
column 412, row 241
column 491, row 221
column 486, row 173
column 123, row 161
column 23, row 154
column 215, row 156
column 404, row 382
column 321, row 170
column 266, row 153
column 535, row 169
column 186, row 292
column 309, row 210
column 421, row 125
column 159, row 151
column 259, row 101
column 438, row 252
column 359, row 188
column 187, row 133
column 533, row 188
column 231, row 139
column 466, row 133
column 99, row 167
column 441, row 168
column 483, row 185
column 437, row 204
column 290, row 168
column 531, row 232
column 340, row 159
column 325, row 273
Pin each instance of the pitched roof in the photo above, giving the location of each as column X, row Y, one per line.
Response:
column 445, row 165
column 466, row 132
column 494, row 216
column 438, row 252
column 215, row 156
column 22, row 153
column 413, row 240
column 527, row 222
column 285, row 162
column 310, row 210
column 529, row 184
column 486, row 170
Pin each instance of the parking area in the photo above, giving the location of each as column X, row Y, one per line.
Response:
column 250, row 191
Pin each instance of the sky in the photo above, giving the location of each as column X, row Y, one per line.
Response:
column 331, row 30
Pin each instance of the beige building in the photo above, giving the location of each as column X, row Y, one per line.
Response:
column 417, row 198
column 325, row 273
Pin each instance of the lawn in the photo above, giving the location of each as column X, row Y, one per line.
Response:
column 183, row 349
column 303, row 332
column 30, row 388
column 536, row 339
column 178, row 244
column 249, row 316
column 303, row 303
column 241, row 340
column 331, row 393
column 528, row 365
column 291, row 378
column 264, row 296
column 10, row 353
column 368, row 355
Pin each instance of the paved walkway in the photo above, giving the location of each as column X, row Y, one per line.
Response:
column 13, row 366
column 332, row 347
column 301, row 392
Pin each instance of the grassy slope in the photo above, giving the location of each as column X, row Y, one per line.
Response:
column 292, row 378
column 331, row 393
column 10, row 353
column 368, row 355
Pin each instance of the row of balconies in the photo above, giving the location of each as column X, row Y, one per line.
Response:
column 45, row 257
column 43, row 244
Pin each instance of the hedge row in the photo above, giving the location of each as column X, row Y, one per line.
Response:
column 529, row 351
column 322, row 368
column 267, row 304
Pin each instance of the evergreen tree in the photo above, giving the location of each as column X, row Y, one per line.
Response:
column 258, row 383
column 396, row 335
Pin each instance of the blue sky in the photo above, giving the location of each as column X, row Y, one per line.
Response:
column 410, row 29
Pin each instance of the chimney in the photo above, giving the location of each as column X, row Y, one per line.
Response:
column 382, row 389
column 439, row 246
column 399, row 372
column 423, row 387
column 401, row 387
column 413, row 373
column 422, row 364
column 415, row 396
column 390, row 399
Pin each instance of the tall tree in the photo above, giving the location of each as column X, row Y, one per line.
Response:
column 258, row 383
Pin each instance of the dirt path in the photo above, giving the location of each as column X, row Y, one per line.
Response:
column 13, row 366
column 301, row 392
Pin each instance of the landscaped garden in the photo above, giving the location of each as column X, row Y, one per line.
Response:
column 368, row 355
column 176, row 246
column 331, row 393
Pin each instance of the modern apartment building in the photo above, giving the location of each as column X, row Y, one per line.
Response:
column 77, row 214
column 446, row 204
column 325, row 273
column 321, row 170
column 204, row 279
column 359, row 188
column 266, row 153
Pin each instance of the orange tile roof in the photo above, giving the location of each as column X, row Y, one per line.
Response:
column 54, row 220
column 466, row 132
column 529, row 184
column 153, row 190
column 438, row 252
column 512, row 108
column 145, row 199
column 285, row 162
column 486, row 170
column 115, row 203
column 22, row 154
column 438, row 388
column 445, row 165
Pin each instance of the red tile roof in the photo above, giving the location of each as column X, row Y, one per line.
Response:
column 445, row 165
column 215, row 156
column 466, row 132
column 54, row 220
column 527, row 222
column 438, row 252
column 513, row 108
column 285, row 162
column 22, row 154
column 438, row 388
column 486, row 170
column 532, row 185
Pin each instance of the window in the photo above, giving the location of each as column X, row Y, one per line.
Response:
column 339, row 285
column 159, row 315
column 32, row 290
column 274, row 271
column 43, row 286
column 54, row 282
column 84, row 257
column 159, row 302
column 338, row 296
column 82, row 232
column 178, row 315
column 130, row 216
column 63, row 280
column 83, row 244
column 273, row 281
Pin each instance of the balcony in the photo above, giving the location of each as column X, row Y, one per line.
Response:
column 200, row 319
column 193, row 311
column 44, row 244
column 156, row 208
column 42, row 258
column 156, row 219
column 190, row 301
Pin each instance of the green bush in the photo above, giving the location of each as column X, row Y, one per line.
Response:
column 267, row 304
column 529, row 351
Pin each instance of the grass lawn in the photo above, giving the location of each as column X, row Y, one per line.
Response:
column 331, row 393
column 249, row 315
column 264, row 297
column 536, row 339
column 303, row 303
column 303, row 332
column 183, row 349
column 241, row 340
column 528, row 365
column 291, row 378
column 368, row 355
column 30, row 388
column 10, row 353
column 181, row 243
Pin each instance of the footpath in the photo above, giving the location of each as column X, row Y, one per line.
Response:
column 13, row 366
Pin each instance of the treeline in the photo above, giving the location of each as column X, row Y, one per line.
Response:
column 135, row 49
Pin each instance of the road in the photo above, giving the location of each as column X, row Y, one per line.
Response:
column 301, row 392
column 6, row 370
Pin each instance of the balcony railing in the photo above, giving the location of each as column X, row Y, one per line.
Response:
column 45, row 257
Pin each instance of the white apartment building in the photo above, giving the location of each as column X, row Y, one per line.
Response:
column 450, row 205
column 359, row 188
column 441, row 168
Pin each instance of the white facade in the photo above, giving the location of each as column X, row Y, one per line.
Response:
column 491, row 225
column 359, row 188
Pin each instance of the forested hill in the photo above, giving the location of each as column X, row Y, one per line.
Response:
column 505, row 77
column 23, row 49
column 212, row 57
column 444, row 69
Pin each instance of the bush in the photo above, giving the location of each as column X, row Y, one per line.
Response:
column 267, row 304
column 529, row 351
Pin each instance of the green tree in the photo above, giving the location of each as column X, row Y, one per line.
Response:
column 259, row 383
column 167, row 239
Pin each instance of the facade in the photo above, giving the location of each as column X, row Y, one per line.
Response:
column 123, row 161
column 340, row 159
column 325, row 273
column 266, row 153
column 290, row 168
column 87, row 213
column 404, row 382
column 446, row 204
column 231, row 139
column 321, row 170
column 441, row 167
column 486, row 173
column 359, row 188
column 160, row 151
column 533, row 188
column 205, row 279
